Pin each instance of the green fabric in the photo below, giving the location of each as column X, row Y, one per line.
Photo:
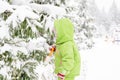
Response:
column 67, row 58
column 68, row 78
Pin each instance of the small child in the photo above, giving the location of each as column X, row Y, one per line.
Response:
column 67, row 57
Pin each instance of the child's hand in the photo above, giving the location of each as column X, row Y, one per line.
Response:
column 48, row 57
column 61, row 76
column 52, row 47
column 52, row 50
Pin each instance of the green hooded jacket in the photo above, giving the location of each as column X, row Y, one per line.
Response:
column 67, row 57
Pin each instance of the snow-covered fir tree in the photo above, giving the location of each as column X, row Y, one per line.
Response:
column 24, row 40
column 84, row 25
column 93, row 9
column 114, row 13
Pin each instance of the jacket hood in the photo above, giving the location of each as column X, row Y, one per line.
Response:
column 64, row 30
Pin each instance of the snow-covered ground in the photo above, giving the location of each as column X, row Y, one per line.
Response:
column 102, row 62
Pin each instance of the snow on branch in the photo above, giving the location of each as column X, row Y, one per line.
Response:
column 49, row 9
column 4, row 6
column 37, row 44
column 20, row 14
column 4, row 30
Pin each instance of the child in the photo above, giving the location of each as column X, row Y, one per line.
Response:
column 67, row 58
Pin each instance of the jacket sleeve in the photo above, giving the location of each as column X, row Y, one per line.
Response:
column 67, row 58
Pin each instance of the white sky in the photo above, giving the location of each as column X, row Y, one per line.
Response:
column 106, row 4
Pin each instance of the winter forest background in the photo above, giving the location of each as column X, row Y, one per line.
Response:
column 26, row 34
